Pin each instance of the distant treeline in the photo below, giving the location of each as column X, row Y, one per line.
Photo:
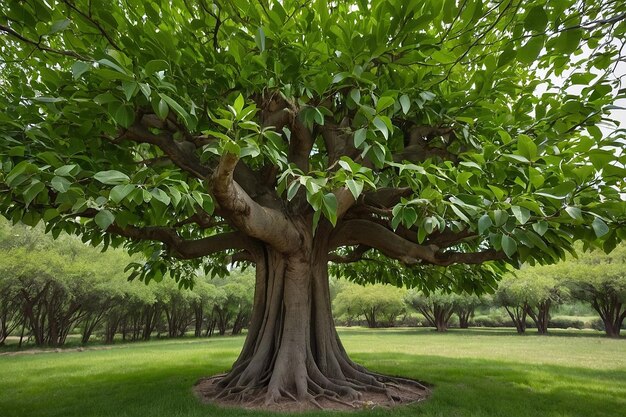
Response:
column 50, row 289
column 592, row 284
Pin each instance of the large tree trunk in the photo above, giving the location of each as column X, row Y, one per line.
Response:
column 292, row 350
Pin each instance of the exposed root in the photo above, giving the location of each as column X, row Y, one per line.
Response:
column 292, row 359
column 344, row 395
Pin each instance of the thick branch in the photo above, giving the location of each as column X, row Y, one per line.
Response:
column 300, row 145
column 182, row 248
column 180, row 154
column 418, row 153
column 386, row 197
column 354, row 232
column 354, row 256
column 249, row 216
column 418, row 142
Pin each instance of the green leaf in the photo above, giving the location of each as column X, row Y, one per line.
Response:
column 355, row 187
column 111, row 64
column 60, row 184
column 67, row 170
column 355, row 95
column 50, row 214
column 232, row 147
column 33, row 191
column 111, row 177
column 129, row 87
column 381, row 126
column 359, row 137
column 104, row 219
column 599, row 227
column 528, row 53
column 59, row 26
column 443, row 57
column 259, row 38
column 175, row 106
column 516, row 158
column 526, row 147
column 124, row 116
column 405, row 102
column 569, row 40
column 409, row 216
column 536, row 19
column 500, row 217
column 160, row 195
column 238, row 105
column 292, row 190
column 522, row 214
column 79, row 68
column 119, row 192
column 506, row 56
column 161, row 108
column 459, row 213
column 574, row 212
column 484, row 223
column 383, row 103
column 318, row 116
column 329, row 207
column 509, row 245
column 541, row 227
column 154, row 66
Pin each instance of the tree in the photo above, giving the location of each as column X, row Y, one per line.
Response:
column 437, row 307
column 531, row 292
column 465, row 306
column 513, row 297
column 600, row 280
column 386, row 133
column 374, row 302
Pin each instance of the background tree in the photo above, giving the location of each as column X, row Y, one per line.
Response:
column 600, row 279
column 546, row 291
column 380, row 305
column 465, row 306
column 437, row 307
column 385, row 133
column 512, row 296
column 531, row 292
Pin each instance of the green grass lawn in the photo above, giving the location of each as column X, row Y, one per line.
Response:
column 481, row 373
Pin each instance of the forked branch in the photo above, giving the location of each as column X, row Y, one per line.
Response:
column 247, row 215
column 364, row 232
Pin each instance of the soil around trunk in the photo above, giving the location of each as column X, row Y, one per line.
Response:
column 399, row 392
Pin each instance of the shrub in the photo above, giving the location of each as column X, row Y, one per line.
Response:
column 566, row 323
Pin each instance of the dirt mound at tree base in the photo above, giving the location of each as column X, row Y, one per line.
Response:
column 399, row 391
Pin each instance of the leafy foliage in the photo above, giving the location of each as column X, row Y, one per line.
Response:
column 379, row 304
column 115, row 116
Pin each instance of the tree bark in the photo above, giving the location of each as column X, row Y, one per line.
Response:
column 518, row 316
column 541, row 317
column 611, row 313
column 464, row 317
column 292, row 350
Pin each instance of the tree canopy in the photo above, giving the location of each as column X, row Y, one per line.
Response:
column 389, row 133
column 114, row 117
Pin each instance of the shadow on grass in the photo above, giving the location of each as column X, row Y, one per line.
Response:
column 476, row 387
column 463, row 388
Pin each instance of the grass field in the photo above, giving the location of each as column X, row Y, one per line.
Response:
column 479, row 373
